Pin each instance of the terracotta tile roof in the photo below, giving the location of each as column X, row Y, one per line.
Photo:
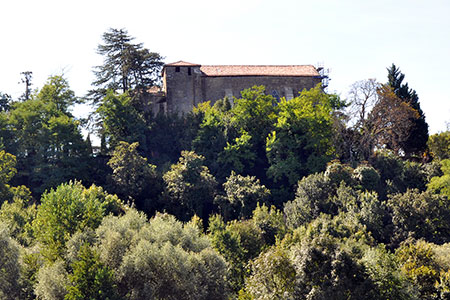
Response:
column 181, row 63
column 154, row 90
column 269, row 70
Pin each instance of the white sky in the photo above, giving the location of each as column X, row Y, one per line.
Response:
column 356, row 39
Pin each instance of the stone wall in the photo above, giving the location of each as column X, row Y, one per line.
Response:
column 186, row 87
column 216, row 88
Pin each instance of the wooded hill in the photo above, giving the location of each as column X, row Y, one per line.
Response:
column 313, row 198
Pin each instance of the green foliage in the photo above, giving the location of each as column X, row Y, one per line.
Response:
column 311, row 199
column 9, row 265
column 421, row 215
column 7, row 172
column 19, row 215
column 168, row 135
column 7, row 167
column 228, row 244
column 367, row 177
column 373, row 214
column 439, row 145
column 31, row 262
column 341, row 227
column 300, row 143
column 250, row 236
column 233, row 138
column 133, row 176
column 397, row 175
column 70, row 208
column 162, row 258
column 90, row 279
column 383, row 268
column 52, row 281
column 57, row 92
column 125, row 65
column 419, row 266
column 121, row 121
column 190, row 188
column 254, row 113
column 211, row 138
column 238, row 155
column 270, row 222
column 338, row 172
column 441, row 184
column 273, row 276
column 242, row 193
column 117, row 235
column 46, row 139
column 324, row 270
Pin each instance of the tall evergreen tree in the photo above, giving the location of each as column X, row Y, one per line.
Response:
column 416, row 143
column 126, row 66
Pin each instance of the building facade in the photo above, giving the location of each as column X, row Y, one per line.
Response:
column 185, row 84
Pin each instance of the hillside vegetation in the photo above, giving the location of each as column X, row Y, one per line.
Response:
column 250, row 198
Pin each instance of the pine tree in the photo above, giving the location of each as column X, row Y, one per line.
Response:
column 416, row 143
column 126, row 66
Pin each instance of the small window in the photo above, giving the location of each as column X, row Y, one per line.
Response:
column 189, row 71
column 177, row 69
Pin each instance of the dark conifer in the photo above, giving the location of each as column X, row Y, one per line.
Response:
column 418, row 137
column 126, row 66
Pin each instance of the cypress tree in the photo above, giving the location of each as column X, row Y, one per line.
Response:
column 416, row 143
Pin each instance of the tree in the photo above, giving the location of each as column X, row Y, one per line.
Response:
column 300, row 143
column 133, row 176
column 271, row 222
column 7, row 172
column 324, row 270
column 354, row 135
column 190, row 188
column 161, row 258
column 5, row 102
column 57, row 92
column 27, row 77
column 417, row 137
column 253, row 116
column 46, row 139
column 363, row 96
column 418, row 263
column 242, row 194
column 19, row 214
column 439, row 145
column 90, row 278
column 441, row 184
column 390, row 122
column 228, row 243
column 9, row 265
column 273, row 276
column 383, row 267
column 52, row 281
column 67, row 209
column 121, row 121
column 367, row 177
column 126, row 66
column 311, row 199
column 421, row 215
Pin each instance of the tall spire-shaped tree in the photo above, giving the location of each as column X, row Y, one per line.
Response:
column 417, row 141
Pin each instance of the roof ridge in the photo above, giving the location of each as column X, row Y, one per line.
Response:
column 256, row 65
column 182, row 62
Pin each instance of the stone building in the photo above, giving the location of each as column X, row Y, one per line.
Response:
column 186, row 84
